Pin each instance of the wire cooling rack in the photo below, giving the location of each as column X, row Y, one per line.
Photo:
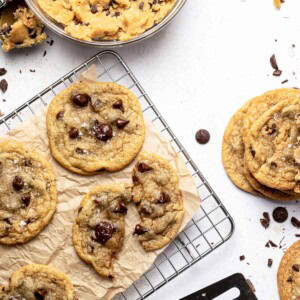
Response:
column 211, row 226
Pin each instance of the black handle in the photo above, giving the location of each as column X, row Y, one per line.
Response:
column 217, row 289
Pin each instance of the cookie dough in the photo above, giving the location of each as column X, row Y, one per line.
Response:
column 288, row 276
column 27, row 193
column 95, row 126
column 106, row 19
column 159, row 200
column 274, row 155
column 19, row 28
column 38, row 282
column 99, row 229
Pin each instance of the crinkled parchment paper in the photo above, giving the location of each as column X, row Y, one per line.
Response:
column 54, row 244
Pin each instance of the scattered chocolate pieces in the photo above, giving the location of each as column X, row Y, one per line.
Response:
column 295, row 222
column 272, row 244
column 284, row 81
column 45, row 52
column 277, row 73
column 3, row 85
column 242, row 257
column 280, row 214
column 290, row 279
column 32, row 71
column 265, row 222
column 202, row 136
column 3, row 71
column 273, row 62
column 297, row 235
column 270, row 262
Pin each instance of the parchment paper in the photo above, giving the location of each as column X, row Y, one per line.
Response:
column 54, row 246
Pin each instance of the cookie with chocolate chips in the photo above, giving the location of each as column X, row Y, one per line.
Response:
column 99, row 229
column 273, row 140
column 38, row 282
column 28, row 195
column 95, row 126
column 159, row 201
column 288, row 276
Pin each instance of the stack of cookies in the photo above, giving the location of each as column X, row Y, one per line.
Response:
column 260, row 150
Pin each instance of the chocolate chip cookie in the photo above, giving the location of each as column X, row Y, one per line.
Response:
column 274, row 156
column 99, row 229
column 94, row 127
column 19, row 28
column 106, row 19
column 27, row 193
column 38, row 282
column 159, row 201
column 288, row 276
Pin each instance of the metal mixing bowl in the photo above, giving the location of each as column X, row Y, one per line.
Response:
column 58, row 28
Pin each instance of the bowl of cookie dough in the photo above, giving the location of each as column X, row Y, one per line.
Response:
column 106, row 23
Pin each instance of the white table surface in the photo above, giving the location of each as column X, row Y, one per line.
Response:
column 199, row 71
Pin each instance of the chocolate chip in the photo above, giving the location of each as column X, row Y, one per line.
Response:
column 252, row 152
column 290, row 279
column 104, row 231
column 272, row 244
column 26, row 200
column 3, row 85
column 60, row 115
column 242, row 257
column 265, row 223
column 266, row 216
column 146, row 210
column 94, row 9
column 164, row 198
column 141, row 6
column 140, row 230
column 121, row 123
column 103, row 132
column 3, row 71
column 117, row 14
column 81, row 100
column 121, row 209
column 79, row 151
column 135, row 180
column 284, row 81
column 40, row 294
column 73, row 133
column 142, row 167
column 273, row 165
column 270, row 262
column 273, row 62
column 202, row 136
column 18, row 183
column 295, row 222
column 119, row 105
column 296, row 267
column 8, row 221
column 280, row 214
column 277, row 73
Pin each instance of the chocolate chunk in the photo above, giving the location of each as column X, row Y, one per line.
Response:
column 104, row 231
column 8, row 221
column 242, row 257
column 117, row 14
column 79, row 151
column 270, row 262
column 18, row 183
column 277, row 73
column 273, row 165
column 140, row 230
column 146, row 210
column 297, row 235
column 266, row 216
column 141, row 6
column 103, row 132
column 296, row 267
column 26, row 200
column 164, row 198
column 273, row 62
column 135, row 180
column 280, row 214
column 81, row 100
column 3, row 71
column 284, row 81
column 121, row 123
column 73, row 133
column 3, row 85
column 119, row 105
column 272, row 244
column 122, row 209
column 290, row 279
column 40, row 294
column 60, row 115
column 295, row 222
column 202, row 136
column 94, row 9
column 252, row 152
column 265, row 223
column 142, row 167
